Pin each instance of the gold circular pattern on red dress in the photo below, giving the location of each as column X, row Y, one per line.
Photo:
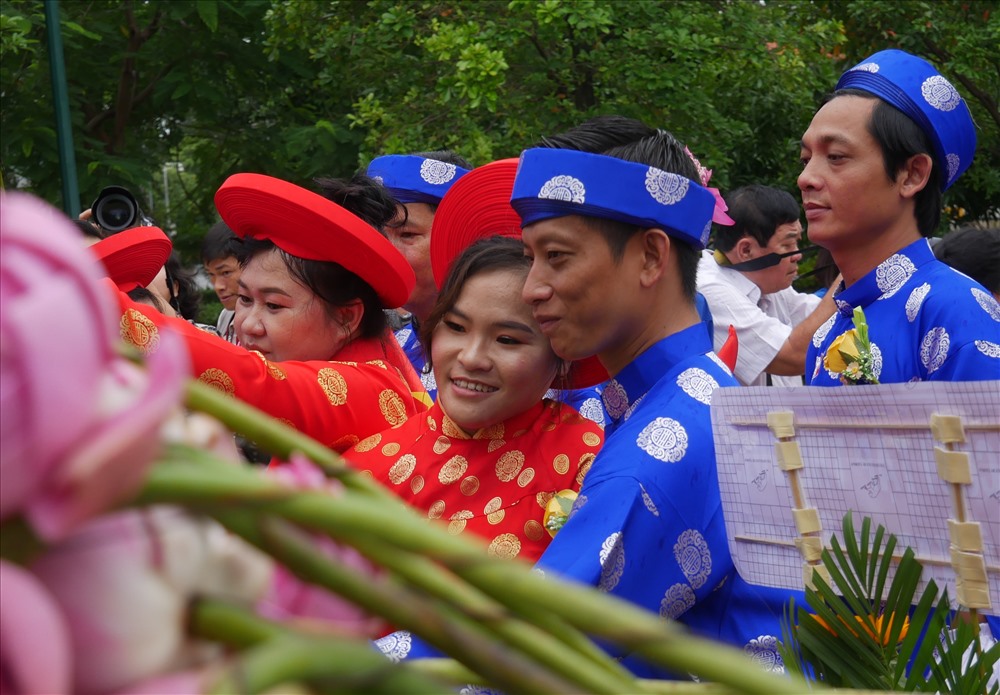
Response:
column 450, row 429
column 469, row 486
column 533, row 530
column 542, row 498
column 509, row 465
column 436, row 510
column 390, row 449
column 378, row 363
column 368, row 443
column 392, row 407
column 432, row 424
column 272, row 369
column 527, row 475
column 403, row 468
column 441, row 445
column 453, row 469
column 585, row 463
column 505, row 546
column 591, row 439
column 549, row 426
column 333, row 385
column 416, row 484
column 458, row 520
column 493, row 505
column 138, row 330
column 494, row 445
column 491, row 432
column 217, row 378
column 561, row 464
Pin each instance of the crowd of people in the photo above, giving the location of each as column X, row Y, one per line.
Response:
column 485, row 339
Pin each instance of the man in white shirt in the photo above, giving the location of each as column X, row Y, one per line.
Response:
column 747, row 283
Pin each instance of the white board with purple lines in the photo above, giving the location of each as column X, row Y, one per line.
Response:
column 865, row 448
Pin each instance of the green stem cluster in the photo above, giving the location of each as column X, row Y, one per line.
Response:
column 510, row 627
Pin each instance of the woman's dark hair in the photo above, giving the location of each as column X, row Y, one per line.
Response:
column 146, row 296
column 900, row 138
column 757, row 211
column 184, row 295
column 332, row 282
column 361, row 195
column 486, row 255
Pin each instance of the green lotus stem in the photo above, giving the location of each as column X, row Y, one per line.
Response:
column 443, row 626
column 329, row 665
column 360, row 516
column 231, row 625
column 275, row 436
column 241, row 628
column 595, row 672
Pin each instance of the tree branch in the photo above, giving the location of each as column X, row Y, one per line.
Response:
column 981, row 96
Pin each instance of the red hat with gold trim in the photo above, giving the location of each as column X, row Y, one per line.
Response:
column 477, row 206
column 309, row 226
column 133, row 257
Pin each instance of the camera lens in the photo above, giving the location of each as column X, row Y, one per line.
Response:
column 115, row 213
column 115, row 209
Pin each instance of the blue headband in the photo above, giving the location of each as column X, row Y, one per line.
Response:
column 413, row 179
column 555, row 183
column 916, row 88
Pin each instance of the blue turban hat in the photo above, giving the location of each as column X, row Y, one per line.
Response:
column 413, row 179
column 916, row 88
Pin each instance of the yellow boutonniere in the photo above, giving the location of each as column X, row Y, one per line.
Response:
column 850, row 354
column 557, row 511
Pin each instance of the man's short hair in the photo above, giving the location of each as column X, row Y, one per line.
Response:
column 899, row 138
column 757, row 211
column 599, row 134
column 663, row 151
column 221, row 242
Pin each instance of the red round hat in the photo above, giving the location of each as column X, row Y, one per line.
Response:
column 471, row 210
column 309, row 226
column 133, row 257
column 477, row 206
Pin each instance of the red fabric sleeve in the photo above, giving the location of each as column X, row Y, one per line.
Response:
column 336, row 403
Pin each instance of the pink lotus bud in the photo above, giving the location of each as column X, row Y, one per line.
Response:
column 79, row 424
column 34, row 643
column 124, row 583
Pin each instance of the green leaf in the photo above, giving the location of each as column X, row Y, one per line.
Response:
column 73, row 26
column 208, row 10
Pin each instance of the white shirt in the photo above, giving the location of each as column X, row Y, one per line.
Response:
column 762, row 322
column 224, row 325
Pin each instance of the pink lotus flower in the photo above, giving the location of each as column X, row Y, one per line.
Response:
column 78, row 422
column 291, row 598
column 34, row 642
column 124, row 581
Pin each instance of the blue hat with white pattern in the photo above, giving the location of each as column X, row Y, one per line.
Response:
column 556, row 183
column 916, row 88
column 413, row 179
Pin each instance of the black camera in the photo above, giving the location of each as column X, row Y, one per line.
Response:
column 116, row 209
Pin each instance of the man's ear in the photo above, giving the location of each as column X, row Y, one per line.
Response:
column 744, row 249
column 349, row 316
column 915, row 174
column 656, row 250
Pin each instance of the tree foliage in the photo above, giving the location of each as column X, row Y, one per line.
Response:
column 301, row 88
